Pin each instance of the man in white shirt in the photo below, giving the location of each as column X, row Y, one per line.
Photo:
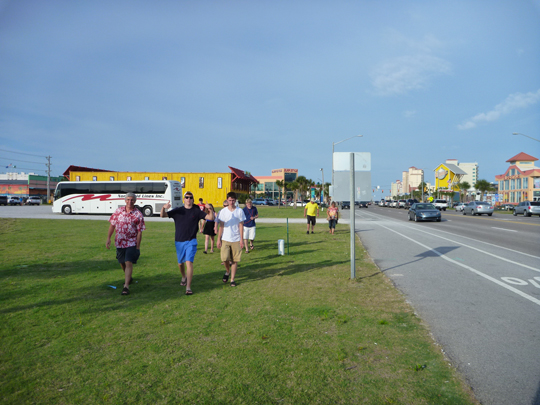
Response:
column 231, row 229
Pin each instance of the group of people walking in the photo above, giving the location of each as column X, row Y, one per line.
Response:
column 234, row 227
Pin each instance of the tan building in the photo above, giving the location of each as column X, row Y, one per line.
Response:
column 411, row 179
column 521, row 181
column 267, row 186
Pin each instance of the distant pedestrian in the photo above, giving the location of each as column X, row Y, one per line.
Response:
column 312, row 209
column 231, row 229
column 128, row 223
column 201, row 204
column 216, row 225
column 207, row 228
column 332, row 215
column 186, row 222
column 251, row 214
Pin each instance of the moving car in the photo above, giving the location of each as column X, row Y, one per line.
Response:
column 410, row 202
column 14, row 201
column 363, row 204
column 345, row 205
column 478, row 208
column 424, row 212
column 527, row 208
column 460, row 206
column 441, row 204
column 33, row 201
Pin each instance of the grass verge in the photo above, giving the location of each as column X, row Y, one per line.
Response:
column 296, row 330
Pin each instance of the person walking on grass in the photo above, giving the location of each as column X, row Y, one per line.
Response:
column 332, row 215
column 128, row 223
column 251, row 214
column 186, row 223
column 207, row 229
column 311, row 209
column 231, row 229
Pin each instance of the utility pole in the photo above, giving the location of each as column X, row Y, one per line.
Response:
column 48, row 164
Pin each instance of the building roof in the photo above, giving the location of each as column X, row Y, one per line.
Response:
column 240, row 174
column 453, row 168
column 522, row 156
column 74, row 168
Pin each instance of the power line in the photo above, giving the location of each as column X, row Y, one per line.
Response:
column 20, row 153
column 18, row 160
column 26, row 168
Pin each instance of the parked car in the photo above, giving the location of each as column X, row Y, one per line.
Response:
column 424, row 212
column 401, row 203
column 527, row 208
column 298, row 203
column 410, row 202
column 381, row 203
column 14, row 201
column 363, row 204
column 507, row 207
column 345, row 205
column 393, row 204
column 441, row 204
column 33, row 201
column 478, row 208
column 260, row 201
column 459, row 207
column 3, row 200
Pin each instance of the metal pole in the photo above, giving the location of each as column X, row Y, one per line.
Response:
column 322, row 189
column 352, row 220
column 48, row 179
column 332, row 167
column 288, row 236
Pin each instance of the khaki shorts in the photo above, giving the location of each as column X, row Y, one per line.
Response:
column 230, row 251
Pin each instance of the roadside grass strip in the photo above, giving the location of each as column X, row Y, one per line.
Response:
column 296, row 330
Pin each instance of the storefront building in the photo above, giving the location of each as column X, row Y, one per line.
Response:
column 27, row 185
column 447, row 177
column 211, row 187
column 267, row 187
column 521, row 181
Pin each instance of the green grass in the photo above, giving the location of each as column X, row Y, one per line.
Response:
column 283, row 212
column 296, row 330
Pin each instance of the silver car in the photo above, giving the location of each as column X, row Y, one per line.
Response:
column 424, row 212
column 478, row 208
column 527, row 208
column 460, row 206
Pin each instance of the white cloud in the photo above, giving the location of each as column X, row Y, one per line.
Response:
column 512, row 102
column 406, row 73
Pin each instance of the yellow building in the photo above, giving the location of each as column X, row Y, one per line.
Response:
column 211, row 187
column 447, row 176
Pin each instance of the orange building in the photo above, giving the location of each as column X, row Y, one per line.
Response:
column 521, row 181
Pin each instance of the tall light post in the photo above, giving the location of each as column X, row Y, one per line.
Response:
column 519, row 133
column 334, row 144
column 322, row 188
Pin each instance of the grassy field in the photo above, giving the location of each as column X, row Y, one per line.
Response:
column 296, row 330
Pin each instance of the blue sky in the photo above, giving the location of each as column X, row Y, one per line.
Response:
column 197, row 86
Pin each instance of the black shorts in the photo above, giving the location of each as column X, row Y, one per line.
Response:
column 311, row 220
column 129, row 254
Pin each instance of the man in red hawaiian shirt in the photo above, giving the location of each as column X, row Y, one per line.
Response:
column 129, row 224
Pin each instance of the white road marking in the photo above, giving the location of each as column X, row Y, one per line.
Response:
column 503, row 229
column 473, row 270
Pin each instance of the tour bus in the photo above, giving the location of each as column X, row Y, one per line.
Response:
column 104, row 197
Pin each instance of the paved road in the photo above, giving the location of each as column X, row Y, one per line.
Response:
column 476, row 282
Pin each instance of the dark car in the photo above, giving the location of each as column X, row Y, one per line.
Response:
column 424, row 212
column 345, row 205
column 410, row 202
column 363, row 204
column 3, row 200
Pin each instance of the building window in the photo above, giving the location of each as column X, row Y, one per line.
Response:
column 512, row 185
column 164, row 178
column 201, row 182
column 518, row 184
column 128, row 178
column 94, row 178
column 77, row 178
column 147, row 178
column 518, row 196
column 111, row 178
column 501, row 185
column 525, row 182
column 219, row 182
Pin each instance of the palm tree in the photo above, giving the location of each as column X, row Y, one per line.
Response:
column 326, row 189
column 463, row 187
column 483, row 186
column 294, row 187
column 302, row 185
column 283, row 187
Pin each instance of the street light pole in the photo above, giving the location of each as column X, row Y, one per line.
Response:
column 519, row 133
column 334, row 144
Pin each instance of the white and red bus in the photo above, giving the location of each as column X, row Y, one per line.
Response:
column 104, row 197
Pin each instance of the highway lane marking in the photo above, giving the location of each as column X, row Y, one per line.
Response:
column 500, row 219
column 465, row 237
column 471, row 269
column 503, row 229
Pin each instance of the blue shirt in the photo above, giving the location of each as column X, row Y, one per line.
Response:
column 250, row 223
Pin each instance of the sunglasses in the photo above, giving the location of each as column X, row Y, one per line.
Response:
column 188, row 197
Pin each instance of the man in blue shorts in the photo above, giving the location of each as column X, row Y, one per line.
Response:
column 186, row 223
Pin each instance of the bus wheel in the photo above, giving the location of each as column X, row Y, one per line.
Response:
column 66, row 209
column 147, row 211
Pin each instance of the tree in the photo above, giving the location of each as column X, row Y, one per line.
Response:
column 294, row 187
column 283, row 187
column 303, row 185
column 483, row 186
column 463, row 187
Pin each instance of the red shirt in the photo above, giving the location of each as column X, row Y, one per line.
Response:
column 202, row 206
column 127, row 226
